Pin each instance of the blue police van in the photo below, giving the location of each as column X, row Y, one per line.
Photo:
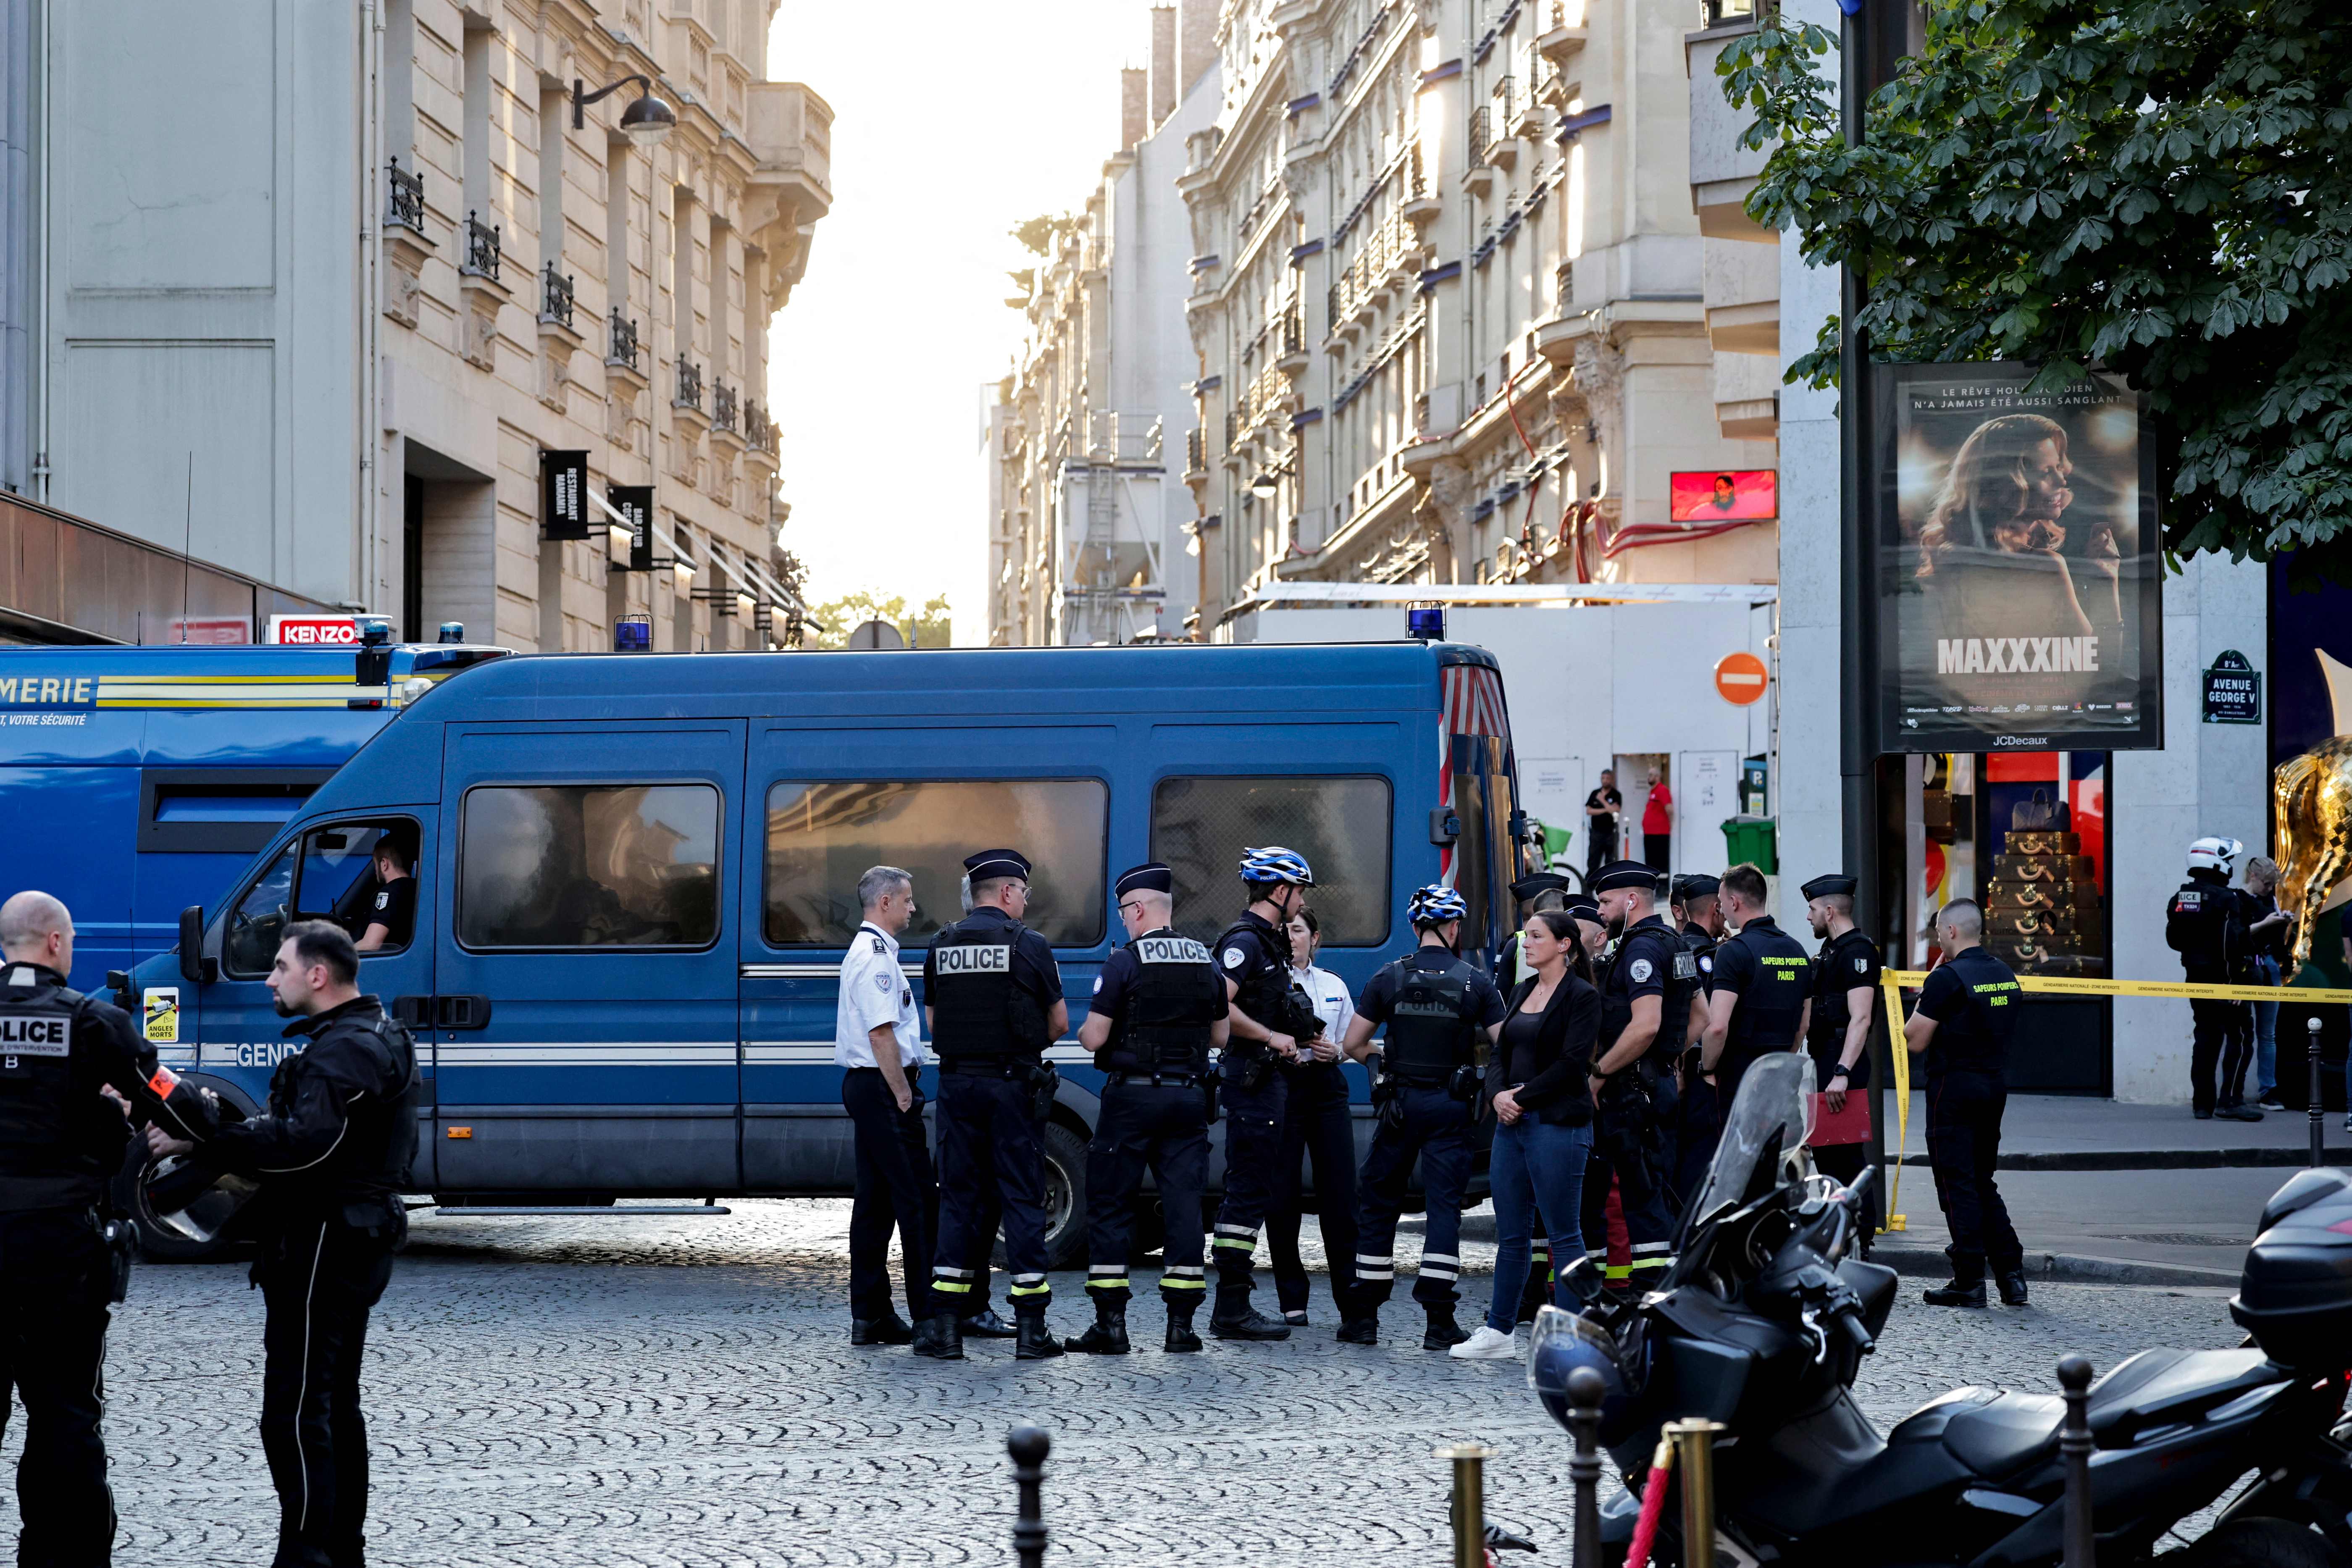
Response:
column 636, row 876
column 140, row 780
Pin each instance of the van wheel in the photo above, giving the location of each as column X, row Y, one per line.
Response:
column 1065, row 1201
column 2262, row 1543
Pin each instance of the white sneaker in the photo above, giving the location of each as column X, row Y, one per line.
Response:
column 1489, row 1343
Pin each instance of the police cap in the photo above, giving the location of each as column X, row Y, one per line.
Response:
column 1829, row 887
column 1625, row 874
column 1529, row 886
column 1584, row 907
column 992, row 864
column 1151, row 876
column 1699, row 885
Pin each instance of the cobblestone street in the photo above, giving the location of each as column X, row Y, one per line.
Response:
column 683, row 1392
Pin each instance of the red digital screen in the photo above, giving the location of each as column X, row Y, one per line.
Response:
column 1725, row 495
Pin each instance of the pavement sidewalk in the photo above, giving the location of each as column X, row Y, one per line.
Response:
column 2071, row 1133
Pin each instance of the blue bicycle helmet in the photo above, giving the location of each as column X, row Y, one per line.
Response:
column 1435, row 905
column 1275, row 864
column 1563, row 1344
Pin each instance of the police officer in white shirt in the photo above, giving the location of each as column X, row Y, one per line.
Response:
column 878, row 1039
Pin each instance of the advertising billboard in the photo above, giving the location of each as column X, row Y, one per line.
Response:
column 2017, row 562
column 1723, row 495
column 314, row 631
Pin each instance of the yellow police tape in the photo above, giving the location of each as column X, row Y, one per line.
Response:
column 1898, row 981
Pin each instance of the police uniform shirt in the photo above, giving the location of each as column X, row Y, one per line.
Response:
column 1034, row 969
column 1378, row 1001
column 1973, row 997
column 875, row 992
column 394, row 909
column 1329, row 994
column 1768, row 972
column 1843, row 963
column 1641, row 964
column 1702, row 947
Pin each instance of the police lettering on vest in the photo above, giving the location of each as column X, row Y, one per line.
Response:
column 976, row 961
column 1432, row 1026
column 1168, row 997
column 59, row 1140
column 35, row 1035
column 979, row 1011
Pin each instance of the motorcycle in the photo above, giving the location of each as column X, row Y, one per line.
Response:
column 1763, row 1322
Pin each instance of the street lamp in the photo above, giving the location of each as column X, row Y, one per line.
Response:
column 645, row 121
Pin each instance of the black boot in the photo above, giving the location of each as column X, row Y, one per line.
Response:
column 1035, row 1342
column 985, row 1324
column 1235, row 1319
column 1967, row 1288
column 2012, row 1287
column 1363, row 1331
column 890, row 1329
column 1108, row 1337
column 1180, row 1337
column 1442, row 1334
column 939, row 1338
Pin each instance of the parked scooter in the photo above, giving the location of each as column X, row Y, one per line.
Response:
column 1764, row 1319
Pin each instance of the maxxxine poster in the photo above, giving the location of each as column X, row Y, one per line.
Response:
column 2017, row 564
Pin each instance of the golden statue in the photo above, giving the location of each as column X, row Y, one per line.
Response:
column 2313, row 794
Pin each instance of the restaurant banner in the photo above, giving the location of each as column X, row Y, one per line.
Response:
column 2017, row 562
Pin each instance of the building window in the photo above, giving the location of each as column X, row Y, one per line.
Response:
column 561, row 865
column 1200, row 825
column 823, row 836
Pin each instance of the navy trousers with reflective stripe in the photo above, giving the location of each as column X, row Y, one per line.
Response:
column 318, row 1281
column 1436, row 1131
column 1253, row 1149
column 985, row 1128
column 1166, row 1128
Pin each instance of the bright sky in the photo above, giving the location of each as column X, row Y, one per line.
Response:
column 952, row 122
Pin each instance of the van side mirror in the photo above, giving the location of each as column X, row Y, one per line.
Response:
column 195, row 967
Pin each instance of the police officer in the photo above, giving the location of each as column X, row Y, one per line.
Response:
column 1435, row 1007
column 1699, row 1110
column 1535, row 891
column 1762, row 989
column 877, row 1044
column 1649, row 974
column 992, row 1002
column 62, row 1137
column 2206, row 922
column 333, row 1157
column 1966, row 1012
column 1845, row 1008
column 1266, row 1018
column 1160, row 1007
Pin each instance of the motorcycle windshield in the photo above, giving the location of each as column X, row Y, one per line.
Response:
column 1772, row 1115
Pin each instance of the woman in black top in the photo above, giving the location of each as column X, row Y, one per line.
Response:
column 1543, row 1112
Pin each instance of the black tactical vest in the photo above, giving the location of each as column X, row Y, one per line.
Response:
column 1171, row 1006
column 373, row 1163
column 1977, row 1039
column 1648, row 940
column 1432, row 1027
column 55, row 1151
column 978, row 1013
column 1260, row 990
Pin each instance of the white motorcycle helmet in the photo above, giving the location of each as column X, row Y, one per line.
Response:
column 2215, row 855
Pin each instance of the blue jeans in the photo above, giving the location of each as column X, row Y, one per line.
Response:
column 1535, row 1166
column 2266, row 1032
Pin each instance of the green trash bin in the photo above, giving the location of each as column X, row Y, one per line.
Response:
column 1753, row 839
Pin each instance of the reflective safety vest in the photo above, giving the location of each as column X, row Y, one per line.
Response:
column 978, row 1013
column 1169, row 1009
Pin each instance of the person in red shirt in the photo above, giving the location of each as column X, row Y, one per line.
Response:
column 1658, row 824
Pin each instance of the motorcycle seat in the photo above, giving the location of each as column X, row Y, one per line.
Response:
column 2009, row 1432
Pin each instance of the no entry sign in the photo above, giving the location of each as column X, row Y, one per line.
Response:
column 1740, row 678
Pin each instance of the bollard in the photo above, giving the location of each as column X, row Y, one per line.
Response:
column 2318, row 1115
column 1694, row 1453
column 1469, row 1503
column 2074, row 1455
column 1029, row 1445
column 1585, row 1392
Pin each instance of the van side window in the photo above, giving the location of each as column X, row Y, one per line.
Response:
column 823, row 837
column 561, row 865
column 1200, row 825
column 258, row 925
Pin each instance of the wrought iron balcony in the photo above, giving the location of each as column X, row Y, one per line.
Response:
column 759, row 430
column 481, row 249
column 404, row 199
column 620, row 342
column 689, row 386
column 1293, row 327
column 555, row 297
column 726, row 407
column 1196, row 451
column 1481, row 138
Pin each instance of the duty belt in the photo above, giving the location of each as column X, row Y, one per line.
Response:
column 1158, row 1079
column 1413, row 1081
column 987, row 1068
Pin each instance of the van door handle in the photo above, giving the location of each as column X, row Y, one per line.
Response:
column 462, row 1011
column 412, row 1011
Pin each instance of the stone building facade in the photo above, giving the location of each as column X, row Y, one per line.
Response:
column 1450, row 295
column 325, row 329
